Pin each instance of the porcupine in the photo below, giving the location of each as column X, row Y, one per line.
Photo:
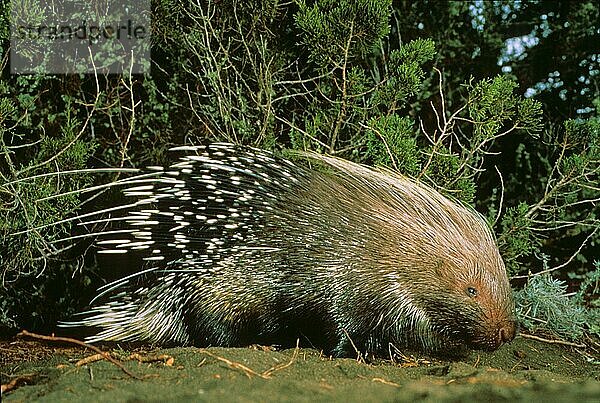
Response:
column 246, row 247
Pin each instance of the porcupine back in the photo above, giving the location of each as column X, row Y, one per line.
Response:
column 245, row 247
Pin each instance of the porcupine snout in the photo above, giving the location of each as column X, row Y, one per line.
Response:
column 507, row 332
column 504, row 332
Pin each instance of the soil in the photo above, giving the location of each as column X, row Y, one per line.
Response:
column 525, row 370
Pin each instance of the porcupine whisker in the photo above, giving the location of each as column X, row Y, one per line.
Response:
column 121, row 182
column 148, row 177
column 67, row 220
column 74, row 171
column 106, row 288
column 113, row 219
column 93, row 213
column 124, row 304
column 79, row 217
column 141, row 202
column 93, row 235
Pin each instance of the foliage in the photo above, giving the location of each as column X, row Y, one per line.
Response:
column 434, row 90
column 549, row 48
column 543, row 304
column 562, row 202
column 52, row 130
column 517, row 240
column 590, row 288
column 391, row 141
column 337, row 31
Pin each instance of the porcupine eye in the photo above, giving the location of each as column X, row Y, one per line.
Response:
column 471, row 292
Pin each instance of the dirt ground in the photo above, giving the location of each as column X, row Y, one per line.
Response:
column 525, row 370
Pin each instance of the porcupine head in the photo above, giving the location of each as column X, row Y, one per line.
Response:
column 434, row 265
column 256, row 246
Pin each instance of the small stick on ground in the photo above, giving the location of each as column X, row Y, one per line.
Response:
column 359, row 356
column 270, row 371
column 236, row 365
column 562, row 342
column 90, row 359
column 25, row 333
column 385, row 382
column 381, row 380
column 165, row 358
column 406, row 361
column 569, row 360
column 16, row 382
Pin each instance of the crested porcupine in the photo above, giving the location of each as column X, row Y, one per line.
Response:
column 245, row 247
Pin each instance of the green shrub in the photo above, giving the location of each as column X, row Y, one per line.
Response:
column 350, row 78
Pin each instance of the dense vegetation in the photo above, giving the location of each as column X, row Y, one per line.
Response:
column 495, row 104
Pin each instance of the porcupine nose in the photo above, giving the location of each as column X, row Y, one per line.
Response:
column 507, row 332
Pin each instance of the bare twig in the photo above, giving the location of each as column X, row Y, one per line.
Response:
column 236, row 365
column 270, row 371
column 85, row 124
column 164, row 358
column 385, row 382
column 132, row 120
column 359, row 356
column 560, row 266
column 90, row 359
column 561, row 342
column 501, row 195
column 342, row 113
column 25, row 333
column 16, row 382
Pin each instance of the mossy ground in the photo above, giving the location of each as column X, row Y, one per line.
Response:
column 525, row 370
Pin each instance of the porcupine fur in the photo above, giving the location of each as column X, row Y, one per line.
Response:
column 245, row 247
